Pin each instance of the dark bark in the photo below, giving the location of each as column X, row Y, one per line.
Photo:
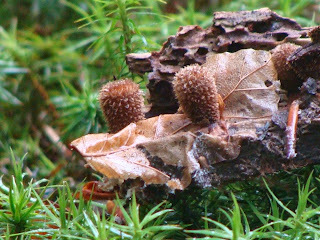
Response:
column 266, row 154
column 231, row 31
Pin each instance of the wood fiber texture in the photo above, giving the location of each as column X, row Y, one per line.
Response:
column 260, row 29
column 168, row 152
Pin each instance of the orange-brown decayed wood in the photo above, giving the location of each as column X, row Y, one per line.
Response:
column 291, row 130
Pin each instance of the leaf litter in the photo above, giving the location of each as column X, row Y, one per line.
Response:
column 168, row 149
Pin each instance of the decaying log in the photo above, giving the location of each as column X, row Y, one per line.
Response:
column 231, row 31
column 190, row 45
column 259, row 29
column 267, row 154
column 257, row 134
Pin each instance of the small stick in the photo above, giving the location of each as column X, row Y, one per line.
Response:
column 181, row 128
column 252, row 89
column 291, row 130
column 243, row 117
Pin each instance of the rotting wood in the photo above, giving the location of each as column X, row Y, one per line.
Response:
column 264, row 154
column 261, row 29
column 291, row 130
column 232, row 31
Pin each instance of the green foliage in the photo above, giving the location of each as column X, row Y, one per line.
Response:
column 54, row 57
column 150, row 227
column 25, row 211
column 237, row 229
column 280, row 223
column 79, row 109
column 18, row 205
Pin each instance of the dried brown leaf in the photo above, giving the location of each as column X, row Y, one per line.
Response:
column 105, row 143
column 128, row 164
column 168, row 149
column 247, row 82
column 116, row 155
column 152, row 150
column 171, row 155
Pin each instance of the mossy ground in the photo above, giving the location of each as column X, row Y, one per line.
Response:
column 54, row 57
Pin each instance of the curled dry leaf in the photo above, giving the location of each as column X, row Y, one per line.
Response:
column 116, row 155
column 150, row 150
column 247, row 82
column 172, row 155
column 168, row 149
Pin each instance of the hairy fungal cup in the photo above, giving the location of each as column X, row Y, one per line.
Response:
column 196, row 92
column 306, row 60
column 121, row 102
column 286, row 74
column 315, row 34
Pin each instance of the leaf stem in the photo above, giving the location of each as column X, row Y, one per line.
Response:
column 244, row 77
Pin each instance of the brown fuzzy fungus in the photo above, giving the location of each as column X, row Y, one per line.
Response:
column 260, row 29
column 315, row 34
column 121, row 102
column 306, row 61
column 289, row 79
column 196, row 92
